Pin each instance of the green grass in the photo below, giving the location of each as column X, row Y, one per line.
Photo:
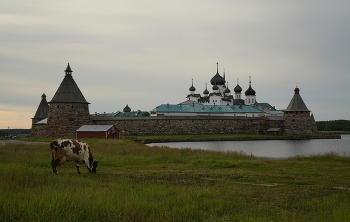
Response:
column 135, row 182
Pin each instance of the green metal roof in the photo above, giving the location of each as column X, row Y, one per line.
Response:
column 267, row 105
column 123, row 114
column 199, row 108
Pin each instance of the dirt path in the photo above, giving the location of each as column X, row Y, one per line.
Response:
column 3, row 142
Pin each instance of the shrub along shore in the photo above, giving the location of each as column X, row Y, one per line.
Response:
column 225, row 137
column 135, row 182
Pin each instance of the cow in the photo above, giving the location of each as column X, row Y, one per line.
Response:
column 72, row 150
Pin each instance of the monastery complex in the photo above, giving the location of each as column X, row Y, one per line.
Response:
column 215, row 112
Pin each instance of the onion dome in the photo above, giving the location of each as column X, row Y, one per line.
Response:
column 192, row 89
column 227, row 90
column 215, row 87
column 206, row 92
column 237, row 89
column 217, row 79
column 126, row 109
column 250, row 91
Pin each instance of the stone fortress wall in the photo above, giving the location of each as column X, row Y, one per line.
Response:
column 166, row 125
column 189, row 125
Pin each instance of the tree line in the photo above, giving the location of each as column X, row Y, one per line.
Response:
column 13, row 132
column 333, row 125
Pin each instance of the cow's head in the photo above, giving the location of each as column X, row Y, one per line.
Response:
column 93, row 166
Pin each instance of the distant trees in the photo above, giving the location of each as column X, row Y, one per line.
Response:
column 333, row 125
column 13, row 132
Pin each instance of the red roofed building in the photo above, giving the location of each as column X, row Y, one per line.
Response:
column 100, row 131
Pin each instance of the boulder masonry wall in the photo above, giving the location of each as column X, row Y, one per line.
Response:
column 189, row 125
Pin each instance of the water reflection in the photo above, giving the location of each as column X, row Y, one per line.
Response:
column 272, row 148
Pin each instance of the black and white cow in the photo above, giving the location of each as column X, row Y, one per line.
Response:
column 72, row 150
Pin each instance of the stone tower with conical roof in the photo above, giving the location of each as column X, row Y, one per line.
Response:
column 39, row 119
column 68, row 109
column 42, row 111
column 297, row 119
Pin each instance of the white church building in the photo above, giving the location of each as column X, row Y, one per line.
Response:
column 219, row 102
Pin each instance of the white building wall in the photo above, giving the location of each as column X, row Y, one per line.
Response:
column 214, row 99
column 192, row 98
column 212, row 114
column 249, row 100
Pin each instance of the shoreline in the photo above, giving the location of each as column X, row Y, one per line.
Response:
column 168, row 140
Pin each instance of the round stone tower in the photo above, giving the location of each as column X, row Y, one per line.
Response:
column 297, row 119
column 68, row 109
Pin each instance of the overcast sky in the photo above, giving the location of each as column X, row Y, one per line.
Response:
column 145, row 53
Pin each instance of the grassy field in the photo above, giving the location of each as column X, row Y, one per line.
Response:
column 135, row 182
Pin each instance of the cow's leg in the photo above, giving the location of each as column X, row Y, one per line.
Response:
column 54, row 164
column 77, row 166
column 54, row 168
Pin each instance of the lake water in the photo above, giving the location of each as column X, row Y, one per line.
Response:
column 272, row 148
